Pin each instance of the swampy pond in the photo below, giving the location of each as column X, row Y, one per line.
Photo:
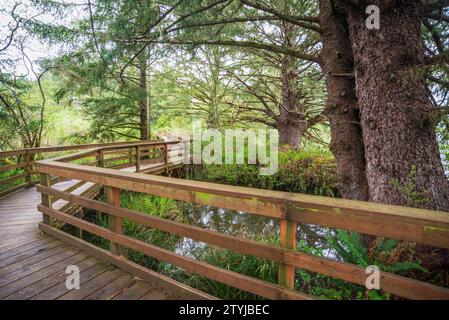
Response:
column 248, row 226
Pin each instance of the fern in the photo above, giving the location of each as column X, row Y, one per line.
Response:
column 385, row 245
column 404, row 267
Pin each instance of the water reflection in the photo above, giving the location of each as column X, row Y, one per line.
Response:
column 250, row 227
column 231, row 222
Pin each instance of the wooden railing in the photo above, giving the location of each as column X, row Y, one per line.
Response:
column 18, row 165
column 403, row 223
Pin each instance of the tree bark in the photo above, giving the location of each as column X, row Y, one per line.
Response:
column 143, row 101
column 289, row 134
column 342, row 107
column 291, row 121
column 403, row 161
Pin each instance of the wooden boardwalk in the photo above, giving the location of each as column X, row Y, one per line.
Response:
column 33, row 265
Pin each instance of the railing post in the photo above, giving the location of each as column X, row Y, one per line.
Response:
column 166, row 157
column 100, row 158
column 26, row 159
column 286, row 273
column 45, row 199
column 137, row 158
column 130, row 155
column 184, row 150
column 115, row 223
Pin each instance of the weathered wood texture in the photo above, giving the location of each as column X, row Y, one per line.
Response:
column 419, row 225
column 33, row 265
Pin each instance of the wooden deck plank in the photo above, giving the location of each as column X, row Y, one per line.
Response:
column 14, row 256
column 6, row 230
column 54, row 280
column 33, row 264
column 30, row 260
column 17, row 237
column 49, row 271
column 133, row 292
column 10, row 243
column 25, row 219
column 6, row 233
column 18, row 243
column 22, row 209
column 157, row 295
column 93, row 285
column 18, row 270
column 112, row 288
column 60, row 289
column 14, row 223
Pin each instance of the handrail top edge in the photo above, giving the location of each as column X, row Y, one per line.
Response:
column 295, row 199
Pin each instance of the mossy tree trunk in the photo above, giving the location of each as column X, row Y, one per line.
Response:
column 403, row 164
column 342, row 107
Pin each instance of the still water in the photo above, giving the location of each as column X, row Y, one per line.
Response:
column 250, row 227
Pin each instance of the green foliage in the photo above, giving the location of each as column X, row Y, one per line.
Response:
column 155, row 206
column 177, row 211
column 310, row 171
column 94, row 93
column 10, row 173
column 352, row 249
column 349, row 247
column 247, row 265
column 19, row 109
column 443, row 141
column 383, row 253
column 410, row 190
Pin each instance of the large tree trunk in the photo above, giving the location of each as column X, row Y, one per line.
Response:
column 342, row 109
column 291, row 122
column 289, row 134
column 143, row 101
column 401, row 150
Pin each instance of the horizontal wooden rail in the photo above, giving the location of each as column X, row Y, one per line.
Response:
column 135, row 269
column 149, row 154
column 4, row 154
column 411, row 224
column 141, row 144
column 13, row 178
column 400, row 286
column 25, row 159
column 77, row 155
column 236, row 280
column 16, row 188
column 116, row 159
column 117, row 152
column 13, row 166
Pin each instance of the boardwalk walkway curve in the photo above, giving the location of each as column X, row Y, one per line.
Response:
column 33, row 264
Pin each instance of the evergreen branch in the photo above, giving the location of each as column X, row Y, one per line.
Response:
column 245, row 44
column 304, row 22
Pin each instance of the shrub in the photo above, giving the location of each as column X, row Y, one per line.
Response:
column 311, row 172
